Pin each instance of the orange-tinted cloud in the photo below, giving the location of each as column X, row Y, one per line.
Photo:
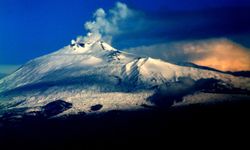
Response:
column 224, row 55
column 221, row 54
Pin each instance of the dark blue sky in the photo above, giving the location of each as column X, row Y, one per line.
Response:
column 31, row 28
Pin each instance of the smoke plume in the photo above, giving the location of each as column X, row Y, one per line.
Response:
column 106, row 24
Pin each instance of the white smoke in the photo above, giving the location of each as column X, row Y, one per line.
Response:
column 106, row 24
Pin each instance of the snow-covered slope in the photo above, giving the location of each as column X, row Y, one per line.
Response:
column 92, row 73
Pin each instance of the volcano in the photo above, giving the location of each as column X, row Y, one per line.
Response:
column 90, row 76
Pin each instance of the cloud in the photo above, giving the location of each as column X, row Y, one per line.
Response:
column 106, row 24
column 221, row 54
column 225, row 56
column 125, row 27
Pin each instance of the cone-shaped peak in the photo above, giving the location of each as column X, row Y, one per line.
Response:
column 91, row 42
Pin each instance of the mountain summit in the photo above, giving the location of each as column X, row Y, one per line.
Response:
column 91, row 76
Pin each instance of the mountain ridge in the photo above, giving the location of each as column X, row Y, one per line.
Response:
column 86, row 74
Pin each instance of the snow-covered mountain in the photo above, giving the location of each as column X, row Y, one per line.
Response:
column 91, row 76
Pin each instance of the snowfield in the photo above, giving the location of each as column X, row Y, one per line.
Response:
column 91, row 72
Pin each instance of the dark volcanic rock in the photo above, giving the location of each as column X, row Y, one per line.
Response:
column 21, row 114
column 168, row 93
column 55, row 108
column 157, row 127
column 96, row 107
